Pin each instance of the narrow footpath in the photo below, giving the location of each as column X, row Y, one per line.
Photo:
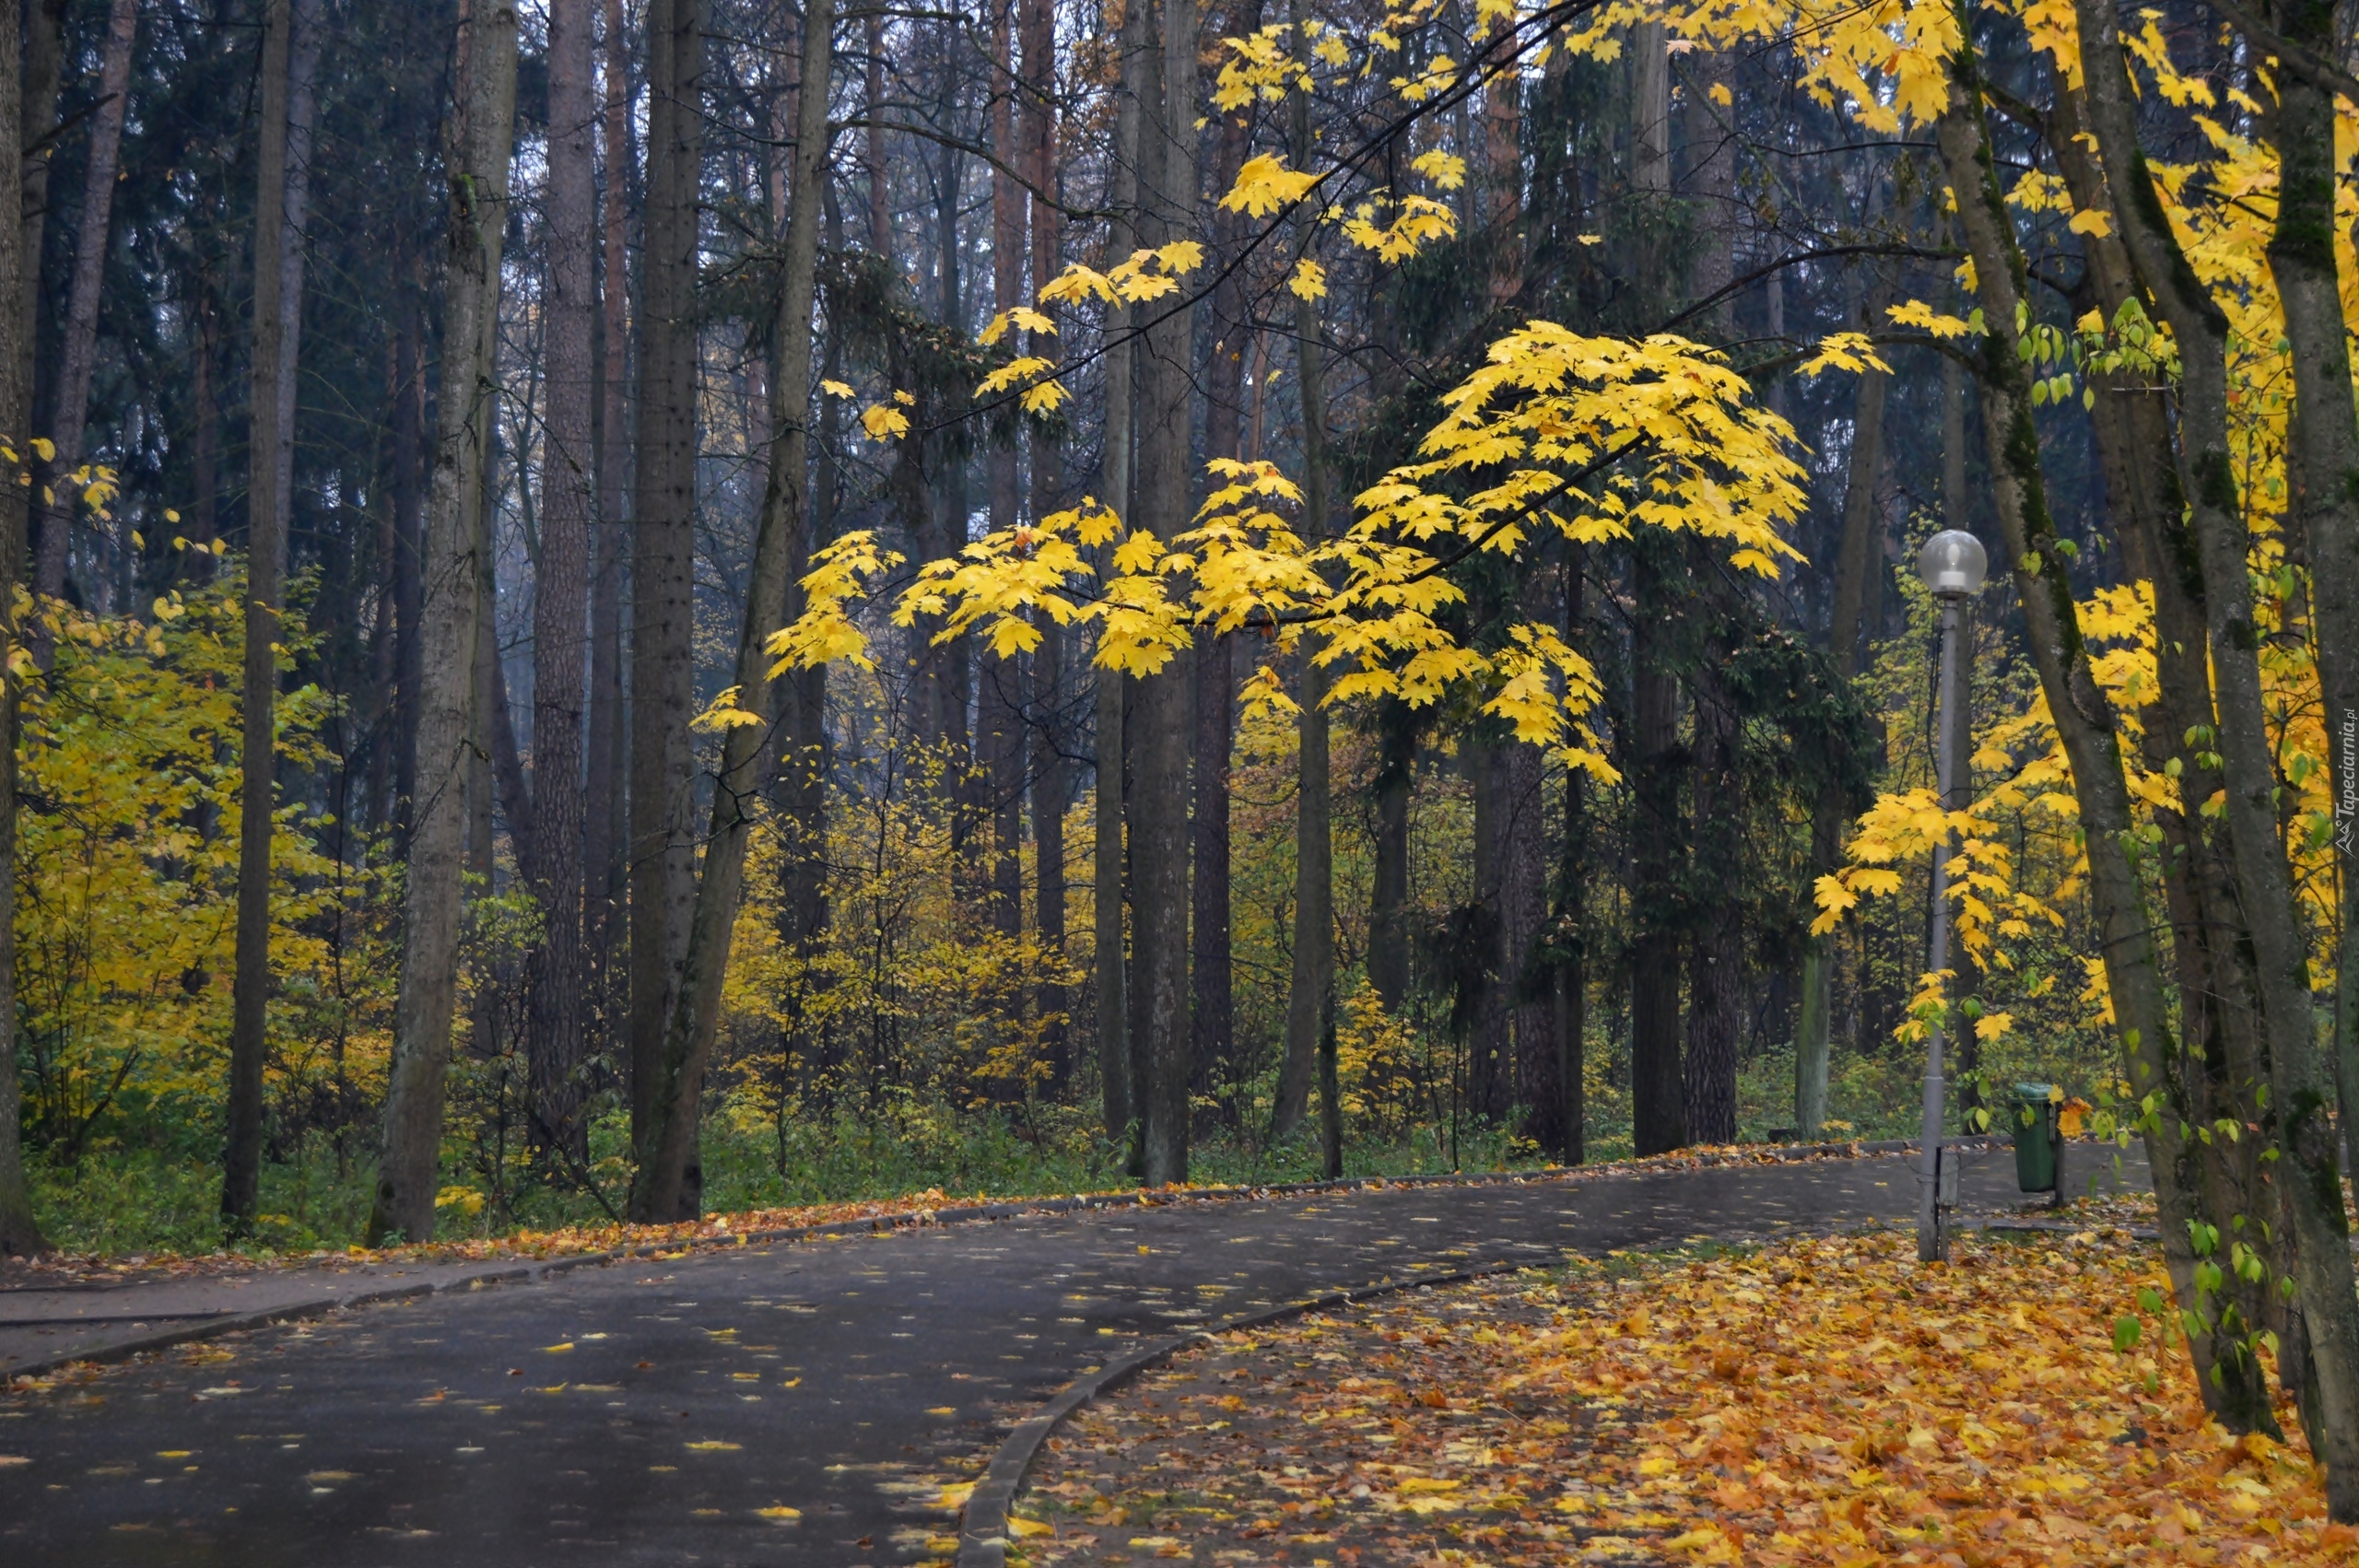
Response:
column 817, row 1403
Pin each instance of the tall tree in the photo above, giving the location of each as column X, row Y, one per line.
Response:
column 266, row 556
column 20, row 1233
column 604, row 801
column 554, row 979
column 665, row 1186
column 1311, row 998
column 2325, row 467
column 1117, row 1048
column 1050, row 784
column 663, row 675
column 78, row 355
column 456, row 556
column 1158, row 749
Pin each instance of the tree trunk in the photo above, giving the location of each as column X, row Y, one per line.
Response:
column 1658, row 769
column 265, row 550
column 44, row 51
column 1310, row 1003
column 1715, row 952
column 1110, row 858
column 1159, row 748
column 1571, row 935
column 2324, row 463
column 411, row 451
column 19, row 1231
column 554, row 976
column 77, row 356
column 605, row 823
column 1388, row 931
column 454, row 558
column 2325, row 436
column 668, row 1183
column 1051, row 789
column 662, row 758
column 1001, row 703
column 2086, row 720
column 1855, row 559
column 2307, row 1177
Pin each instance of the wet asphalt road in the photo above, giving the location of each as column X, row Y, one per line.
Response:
column 802, row 1404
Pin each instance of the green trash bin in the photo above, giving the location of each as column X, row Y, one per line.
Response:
column 2035, row 1139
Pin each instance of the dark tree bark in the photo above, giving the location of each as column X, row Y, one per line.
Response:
column 606, row 825
column 453, row 568
column 1310, row 1003
column 1388, row 932
column 1715, row 952
column 20, row 1233
column 661, row 852
column 1000, row 702
column 411, row 453
column 1213, row 1011
column 1658, row 764
column 43, row 51
column 1159, row 746
column 667, row 1184
column 554, row 977
column 1051, row 786
column 1110, row 861
column 265, row 550
column 78, row 355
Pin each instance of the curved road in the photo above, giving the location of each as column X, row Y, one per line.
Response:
column 790, row 1405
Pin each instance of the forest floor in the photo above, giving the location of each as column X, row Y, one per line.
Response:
column 1813, row 1400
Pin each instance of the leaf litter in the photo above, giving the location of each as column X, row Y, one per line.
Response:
column 1818, row 1401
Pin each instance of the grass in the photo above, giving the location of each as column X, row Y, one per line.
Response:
column 142, row 1201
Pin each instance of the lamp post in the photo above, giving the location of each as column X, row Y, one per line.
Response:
column 1952, row 566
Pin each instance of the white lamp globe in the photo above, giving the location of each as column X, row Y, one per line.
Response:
column 1953, row 564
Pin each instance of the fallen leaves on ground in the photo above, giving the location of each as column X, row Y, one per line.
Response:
column 1826, row 1401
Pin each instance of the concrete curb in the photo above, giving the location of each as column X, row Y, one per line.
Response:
column 973, row 1213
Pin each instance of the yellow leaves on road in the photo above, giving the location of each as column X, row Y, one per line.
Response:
column 1819, row 1404
column 713, row 1446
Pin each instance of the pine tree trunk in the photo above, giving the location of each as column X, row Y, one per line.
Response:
column 1657, row 771
column 43, row 50
column 1052, row 787
column 20, row 1233
column 1715, row 952
column 77, row 356
column 1388, row 932
column 266, row 551
column 553, row 979
column 411, row 456
column 667, row 1182
column 1110, row 860
column 1159, row 746
column 454, row 560
column 1000, row 704
column 662, row 853
column 1310, row 1001
column 605, row 826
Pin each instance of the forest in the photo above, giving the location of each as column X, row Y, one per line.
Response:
column 634, row 608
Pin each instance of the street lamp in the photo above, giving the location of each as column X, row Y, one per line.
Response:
column 1952, row 566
